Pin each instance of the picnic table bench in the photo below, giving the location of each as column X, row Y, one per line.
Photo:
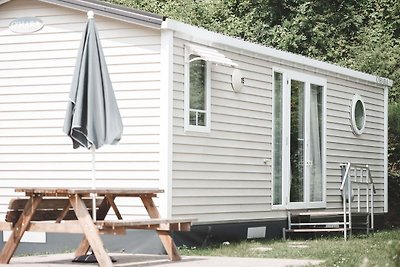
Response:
column 63, row 210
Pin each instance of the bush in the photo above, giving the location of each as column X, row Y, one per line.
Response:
column 393, row 216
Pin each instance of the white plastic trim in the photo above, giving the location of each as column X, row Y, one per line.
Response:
column 208, row 54
column 196, row 33
column 167, row 47
column 307, row 79
column 357, row 99
column 187, row 126
column 385, row 154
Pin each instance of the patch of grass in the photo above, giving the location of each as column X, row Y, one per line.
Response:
column 377, row 249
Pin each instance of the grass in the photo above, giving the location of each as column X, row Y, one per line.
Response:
column 377, row 249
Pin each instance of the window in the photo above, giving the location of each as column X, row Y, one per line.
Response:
column 358, row 116
column 198, row 60
column 197, row 94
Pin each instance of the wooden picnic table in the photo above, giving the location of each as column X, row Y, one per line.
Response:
column 67, row 210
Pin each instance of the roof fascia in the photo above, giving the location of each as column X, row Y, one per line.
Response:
column 201, row 34
column 112, row 11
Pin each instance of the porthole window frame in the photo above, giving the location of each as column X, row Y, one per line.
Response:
column 356, row 99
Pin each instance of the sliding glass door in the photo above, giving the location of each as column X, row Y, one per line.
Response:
column 298, row 168
column 297, row 141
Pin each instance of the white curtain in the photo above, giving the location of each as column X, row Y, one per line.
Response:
column 315, row 143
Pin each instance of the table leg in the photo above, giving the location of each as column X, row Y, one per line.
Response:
column 19, row 229
column 104, row 207
column 164, row 236
column 90, row 231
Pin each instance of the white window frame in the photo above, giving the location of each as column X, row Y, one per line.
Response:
column 357, row 98
column 288, row 75
column 187, row 126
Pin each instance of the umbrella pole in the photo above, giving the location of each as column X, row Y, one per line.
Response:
column 93, row 148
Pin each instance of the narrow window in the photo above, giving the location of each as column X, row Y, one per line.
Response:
column 197, row 108
column 197, row 94
column 277, row 144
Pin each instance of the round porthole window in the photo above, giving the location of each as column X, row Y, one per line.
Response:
column 358, row 116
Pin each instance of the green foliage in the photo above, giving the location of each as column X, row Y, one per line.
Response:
column 394, row 138
column 360, row 34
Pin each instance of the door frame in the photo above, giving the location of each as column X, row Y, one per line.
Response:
column 287, row 76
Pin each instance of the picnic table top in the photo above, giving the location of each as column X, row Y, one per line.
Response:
column 65, row 191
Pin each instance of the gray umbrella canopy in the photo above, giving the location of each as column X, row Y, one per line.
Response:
column 92, row 117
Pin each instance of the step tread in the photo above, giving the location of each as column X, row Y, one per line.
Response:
column 315, row 230
column 318, row 223
column 326, row 213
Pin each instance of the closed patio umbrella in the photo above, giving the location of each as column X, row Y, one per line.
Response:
column 92, row 118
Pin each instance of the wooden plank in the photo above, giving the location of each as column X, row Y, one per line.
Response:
column 175, row 224
column 104, row 207
column 164, row 236
column 90, row 230
column 169, row 245
column 158, row 227
column 44, row 215
column 46, row 203
column 40, row 215
column 154, row 221
column 19, row 229
column 110, row 199
column 85, row 192
column 64, row 212
column 72, row 227
column 5, row 226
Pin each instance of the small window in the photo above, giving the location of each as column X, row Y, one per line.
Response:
column 358, row 115
column 197, row 94
column 197, row 107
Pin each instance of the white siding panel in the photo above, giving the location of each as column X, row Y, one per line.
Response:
column 343, row 146
column 222, row 174
column 35, row 75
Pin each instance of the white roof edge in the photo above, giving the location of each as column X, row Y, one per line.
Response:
column 204, row 34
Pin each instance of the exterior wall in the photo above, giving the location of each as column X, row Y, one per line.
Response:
column 343, row 146
column 221, row 176
column 35, row 75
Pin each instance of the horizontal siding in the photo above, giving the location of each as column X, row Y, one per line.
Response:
column 343, row 146
column 35, row 75
column 221, row 176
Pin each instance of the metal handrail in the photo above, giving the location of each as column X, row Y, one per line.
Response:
column 371, row 180
column 370, row 187
column 346, row 174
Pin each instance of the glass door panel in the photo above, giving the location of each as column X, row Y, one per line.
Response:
column 278, row 124
column 315, row 148
column 297, row 141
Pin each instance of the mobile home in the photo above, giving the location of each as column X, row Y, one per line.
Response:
column 237, row 134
